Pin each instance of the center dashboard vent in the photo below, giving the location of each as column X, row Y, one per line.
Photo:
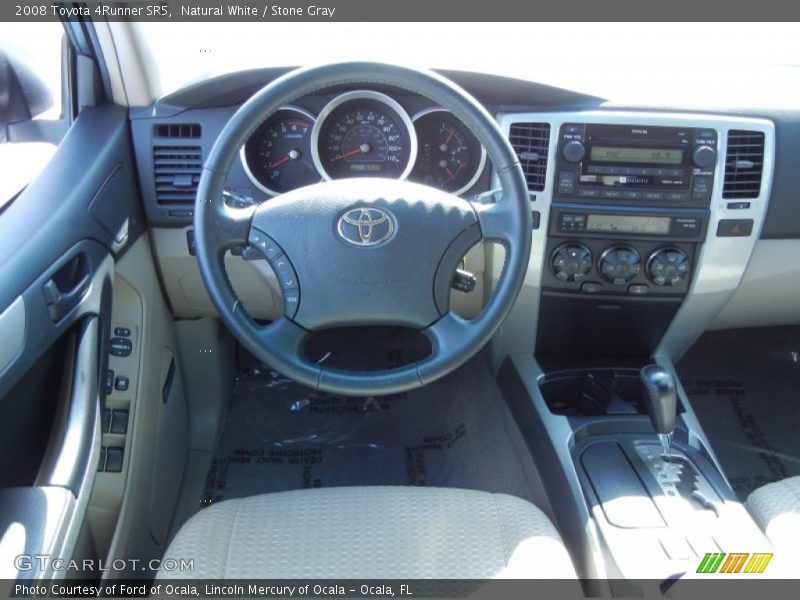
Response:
column 176, row 171
column 744, row 164
column 177, row 130
column 531, row 142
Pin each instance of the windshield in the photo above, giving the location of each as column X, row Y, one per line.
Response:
column 602, row 59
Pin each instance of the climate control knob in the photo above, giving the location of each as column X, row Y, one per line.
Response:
column 667, row 267
column 620, row 264
column 571, row 262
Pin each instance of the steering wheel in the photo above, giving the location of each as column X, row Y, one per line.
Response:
column 363, row 251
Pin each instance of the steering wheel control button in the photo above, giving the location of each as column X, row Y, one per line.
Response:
column 121, row 346
column 268, row 247
column 291, row 298
column 571, row 262
column 619, row 265
column 285, row 273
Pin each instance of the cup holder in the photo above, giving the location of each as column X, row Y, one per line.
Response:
column 593, row 392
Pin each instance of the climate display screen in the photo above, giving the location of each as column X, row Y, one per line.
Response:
column 628, row 224
column 662, row 156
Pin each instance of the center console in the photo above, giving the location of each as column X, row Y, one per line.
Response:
column 646, row 224
column 630, row 208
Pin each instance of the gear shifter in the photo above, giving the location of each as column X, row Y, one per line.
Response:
column 661, row 398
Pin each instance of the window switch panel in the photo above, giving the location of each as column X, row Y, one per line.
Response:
column 119, row 421
column 114, row 455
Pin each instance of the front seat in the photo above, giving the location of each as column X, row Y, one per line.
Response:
column 776, row 509
column 371, row 533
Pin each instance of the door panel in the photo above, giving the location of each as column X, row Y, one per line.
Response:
column 58, row 241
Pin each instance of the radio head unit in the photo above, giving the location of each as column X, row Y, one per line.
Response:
column 631, row 163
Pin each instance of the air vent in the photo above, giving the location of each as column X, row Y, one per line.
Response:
column 531, row 142
column 177, row 173
column 177, row 130
column 744, row 164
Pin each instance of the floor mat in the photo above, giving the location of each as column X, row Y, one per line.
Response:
column 282, row 436
column 745, row 388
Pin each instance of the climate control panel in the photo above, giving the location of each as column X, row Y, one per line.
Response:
column 611, row 267
column 620, row 264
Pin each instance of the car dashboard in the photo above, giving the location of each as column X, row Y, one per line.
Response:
column 645, row 219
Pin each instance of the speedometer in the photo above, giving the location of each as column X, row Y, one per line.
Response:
column 364, row 134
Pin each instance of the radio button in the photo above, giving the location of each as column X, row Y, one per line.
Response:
column 573, row 151
column 676, row 196
column 704, row 157
column 701, row 188
column 566, row 182
column 653, row 196
column 589, row 193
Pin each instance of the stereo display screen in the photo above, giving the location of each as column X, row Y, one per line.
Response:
column 662, row 156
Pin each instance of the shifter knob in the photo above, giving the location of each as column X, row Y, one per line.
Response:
column 661, row 399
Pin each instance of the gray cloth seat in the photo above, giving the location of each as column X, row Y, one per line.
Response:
column 371, row 533
column 776, row 509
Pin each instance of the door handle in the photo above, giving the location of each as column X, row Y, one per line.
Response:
column 64, row 290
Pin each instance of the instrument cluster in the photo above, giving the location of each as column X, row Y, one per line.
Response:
column 362, row 133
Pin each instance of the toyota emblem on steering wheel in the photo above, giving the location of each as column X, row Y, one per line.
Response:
column 366, row 226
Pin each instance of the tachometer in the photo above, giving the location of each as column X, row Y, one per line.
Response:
column 364, row 134
column 450, row 157
column 277, row 157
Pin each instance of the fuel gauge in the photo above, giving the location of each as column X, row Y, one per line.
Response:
column 449, row 156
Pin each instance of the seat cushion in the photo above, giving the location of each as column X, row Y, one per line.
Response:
column 776, row 509
column 371, row 532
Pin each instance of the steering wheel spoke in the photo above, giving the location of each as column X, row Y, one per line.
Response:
column 497, row 221
column 233, row 225
column 286, row 339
